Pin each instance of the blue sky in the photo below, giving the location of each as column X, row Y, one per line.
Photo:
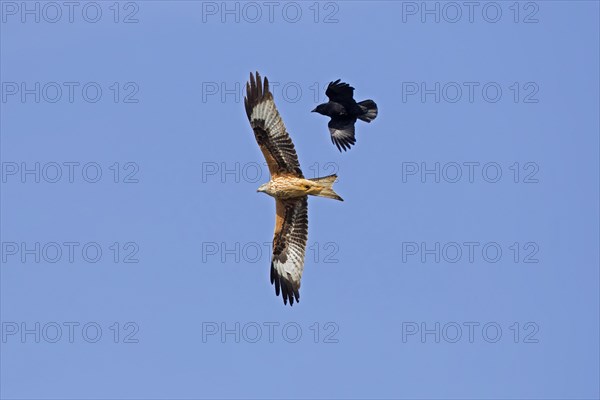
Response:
column 463, row 262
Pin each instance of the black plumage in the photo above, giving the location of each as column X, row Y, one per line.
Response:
column 344, row 111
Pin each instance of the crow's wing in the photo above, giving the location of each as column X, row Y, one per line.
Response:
column 342, row 132
column 340, row 92
column 269, row 130
column 289, row 246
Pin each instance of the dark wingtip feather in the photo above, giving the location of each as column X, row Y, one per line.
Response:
column 255, row 91
column 337, row 144
column 343, row 144
column 289, row 293
column 258, row 86
column 339, row 84
column 275, row 279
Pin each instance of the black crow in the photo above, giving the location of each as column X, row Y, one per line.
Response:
column 343, row 111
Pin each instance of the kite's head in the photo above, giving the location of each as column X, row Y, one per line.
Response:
column 263, row 188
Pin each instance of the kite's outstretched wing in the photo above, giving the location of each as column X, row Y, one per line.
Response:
column 273, row 140
column 289, row 246
column 340, row 92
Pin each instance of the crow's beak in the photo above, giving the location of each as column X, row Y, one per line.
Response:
column 315, row 110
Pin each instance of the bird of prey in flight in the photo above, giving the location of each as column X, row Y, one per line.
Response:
column 287, row 185
column 343, row 111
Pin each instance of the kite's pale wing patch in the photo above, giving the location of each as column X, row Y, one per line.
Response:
column 289, row 246
column 342, row 132
column 273, row 140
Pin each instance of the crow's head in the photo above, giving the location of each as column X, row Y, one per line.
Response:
column 321, row 109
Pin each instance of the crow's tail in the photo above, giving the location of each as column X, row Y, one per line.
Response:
column 370, row 109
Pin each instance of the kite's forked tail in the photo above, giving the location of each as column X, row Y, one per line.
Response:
column 324, row 187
